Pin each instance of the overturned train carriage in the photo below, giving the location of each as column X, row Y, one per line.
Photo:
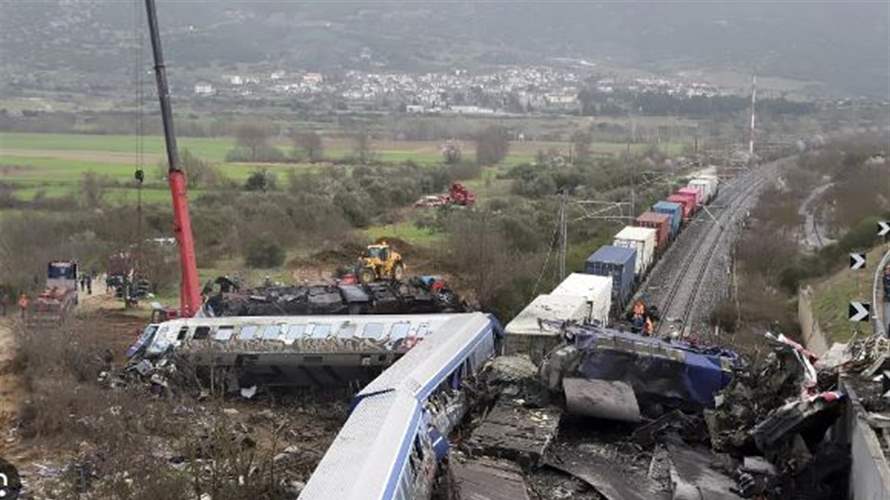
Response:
column 423, row 294
column 291, row 350
column 395, row 436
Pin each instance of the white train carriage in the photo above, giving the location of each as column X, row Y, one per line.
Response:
column 383, row 451
column 394, row 437
column 292, row 350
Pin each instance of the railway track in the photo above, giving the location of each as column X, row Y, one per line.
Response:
column 686, row 272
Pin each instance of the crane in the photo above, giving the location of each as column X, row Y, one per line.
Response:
column 189, row 288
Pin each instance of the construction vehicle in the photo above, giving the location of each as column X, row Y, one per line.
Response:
column 380, row 262
column 189, row 287
column 59, row 296
column 458, row 195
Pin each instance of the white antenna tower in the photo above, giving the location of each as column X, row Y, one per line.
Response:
column 753, row 103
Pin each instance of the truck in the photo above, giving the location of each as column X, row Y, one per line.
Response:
column 59, row 296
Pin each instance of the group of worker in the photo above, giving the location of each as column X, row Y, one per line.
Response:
column 23, row 303
column 86, row 283
column 642, row 319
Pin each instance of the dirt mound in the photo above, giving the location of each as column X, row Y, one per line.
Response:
column 343, row 254
column 398, row 244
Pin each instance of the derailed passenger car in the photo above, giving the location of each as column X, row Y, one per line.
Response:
column 391, row 444
column 293, row 350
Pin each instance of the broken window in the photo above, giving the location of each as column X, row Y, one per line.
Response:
column 373, row 331
column 347, row 331
column 224, row 333
column 270, row 332
column 182, row 331
column 248, row 332
column 294, row 332
column 201, row 332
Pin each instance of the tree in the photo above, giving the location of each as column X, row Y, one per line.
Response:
column 92, row 190
column 451, row 152
column 261, row 180
column 309, row 143
column 362, row 148
column 581, row 142
column 492, row 145
column 263, row 253
column 253, row 137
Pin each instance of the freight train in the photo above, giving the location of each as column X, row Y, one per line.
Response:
column 636, row 248
column 611, row 276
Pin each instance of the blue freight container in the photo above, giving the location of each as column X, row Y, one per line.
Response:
column 675, row 210
column 617, row 262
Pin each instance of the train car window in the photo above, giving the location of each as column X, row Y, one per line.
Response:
column 248, row 332
column 399, row 330
column 182, row 332
column 201, row 332
column 321, row 331
column 423, row 330
column 373, row 331
column 347, row 331
column 294, row 332
column 224, row 333
column 270, row 332
column 418, row 448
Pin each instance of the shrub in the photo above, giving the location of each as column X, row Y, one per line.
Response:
column 263, row 254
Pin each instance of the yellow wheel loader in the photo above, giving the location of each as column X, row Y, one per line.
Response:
column 380, row 262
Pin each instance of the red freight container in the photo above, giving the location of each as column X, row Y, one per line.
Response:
column 695, row 192
column 660, row 222
column 687, row 201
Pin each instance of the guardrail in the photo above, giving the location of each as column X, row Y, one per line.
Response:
column 878, row 305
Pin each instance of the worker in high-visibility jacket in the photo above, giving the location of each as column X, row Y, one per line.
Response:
column 24, row 302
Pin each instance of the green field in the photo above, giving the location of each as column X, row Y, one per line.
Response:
column 54, row 163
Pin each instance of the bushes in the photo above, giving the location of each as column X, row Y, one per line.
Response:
column 265, row 154
column 263, row 254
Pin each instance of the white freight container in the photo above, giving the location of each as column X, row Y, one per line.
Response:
column 715, row 183
column 547, row 307
column 596, row 290
column 703, row 186
column 529, row 333
column 643, row 239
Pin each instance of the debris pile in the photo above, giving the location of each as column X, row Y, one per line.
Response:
column 423, row 294
column 636, row 417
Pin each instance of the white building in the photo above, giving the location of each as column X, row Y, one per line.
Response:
column 204, row 88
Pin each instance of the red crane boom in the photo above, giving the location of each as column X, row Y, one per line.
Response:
column 189, row 287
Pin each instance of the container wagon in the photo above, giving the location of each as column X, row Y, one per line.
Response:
column 661, row 223
column 694, row 193
column 686, row 202
column 528, row 333
column 619, row 263
column 641, row 239
column 674, row 210
column 597, row 290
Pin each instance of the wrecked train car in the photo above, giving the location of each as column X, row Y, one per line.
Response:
column 293, row 350
column 394, row 438
column 425, row 294
column 660, row 372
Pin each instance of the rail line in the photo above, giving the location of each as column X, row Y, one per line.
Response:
column 683, row 295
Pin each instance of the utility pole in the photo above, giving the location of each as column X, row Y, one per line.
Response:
column 563, row 237
column 753, row 104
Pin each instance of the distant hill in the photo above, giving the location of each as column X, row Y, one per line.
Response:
column 843, row 45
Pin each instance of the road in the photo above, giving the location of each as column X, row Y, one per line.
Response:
column 12, row 391
column 813, row 237
column 693, row 275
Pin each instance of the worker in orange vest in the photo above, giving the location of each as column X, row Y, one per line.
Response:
column 23, row 304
